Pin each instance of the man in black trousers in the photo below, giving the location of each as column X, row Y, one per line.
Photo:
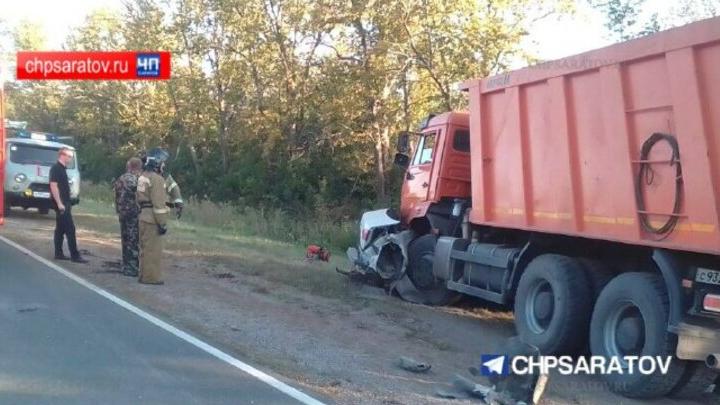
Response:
column 64, row 225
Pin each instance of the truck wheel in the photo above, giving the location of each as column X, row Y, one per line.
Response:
column 598, row 274
column 432, row 291
column 43, row 211
column 553, row 305
column 696, row 381
column 630, row 319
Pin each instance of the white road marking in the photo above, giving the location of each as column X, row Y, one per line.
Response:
column 267, row 379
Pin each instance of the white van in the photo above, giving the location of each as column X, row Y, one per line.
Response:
column 27, row 171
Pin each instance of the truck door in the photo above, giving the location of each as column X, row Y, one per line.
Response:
column 417, row 178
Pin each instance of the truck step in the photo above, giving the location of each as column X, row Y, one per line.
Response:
column 476, row 292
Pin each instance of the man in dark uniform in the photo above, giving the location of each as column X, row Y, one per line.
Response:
column 128, row 210
column 60, row 191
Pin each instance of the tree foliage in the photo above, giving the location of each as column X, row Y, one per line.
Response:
column 628, row 19
column 284, row 103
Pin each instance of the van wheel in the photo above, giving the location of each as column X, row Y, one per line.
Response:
column 430, row 290
column 43, row 211
column 630, row 319
column 553, row 305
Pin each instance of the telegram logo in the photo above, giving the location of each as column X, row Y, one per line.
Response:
column 494, row 364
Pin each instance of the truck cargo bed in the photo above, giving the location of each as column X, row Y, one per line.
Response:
column 557, row 147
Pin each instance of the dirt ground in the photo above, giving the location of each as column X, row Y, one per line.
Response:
column 344, row 348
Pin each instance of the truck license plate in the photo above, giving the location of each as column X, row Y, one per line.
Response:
column 707, row 276
column 40, row 194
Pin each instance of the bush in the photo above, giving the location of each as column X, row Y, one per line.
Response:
column 274, row 224
column 101, row 192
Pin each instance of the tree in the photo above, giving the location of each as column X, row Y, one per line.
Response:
column 621, row 17
column 29, row 36
column 37, row 102
column 279, row 103
column 628, row 19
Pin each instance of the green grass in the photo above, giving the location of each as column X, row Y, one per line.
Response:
column 227, row 239
column 270, row 224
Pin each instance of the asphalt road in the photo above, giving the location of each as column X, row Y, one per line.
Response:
column 63, row 343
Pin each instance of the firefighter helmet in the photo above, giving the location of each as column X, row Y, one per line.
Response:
column 155, row 159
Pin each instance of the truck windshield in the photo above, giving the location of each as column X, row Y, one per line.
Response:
column 35, row 155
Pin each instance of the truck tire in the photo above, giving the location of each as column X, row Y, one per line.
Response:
column 432, row 291
column 43, row 211
column 631, row 318
column 553, row 305
column 696, row 381
column 598, row 274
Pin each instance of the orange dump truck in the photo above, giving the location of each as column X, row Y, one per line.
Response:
column 584, row 193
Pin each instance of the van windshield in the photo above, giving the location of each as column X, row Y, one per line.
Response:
column 35, row 155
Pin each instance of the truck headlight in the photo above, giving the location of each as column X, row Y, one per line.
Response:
column 20, row 178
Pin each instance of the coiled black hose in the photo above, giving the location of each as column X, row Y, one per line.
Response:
column 646, row 175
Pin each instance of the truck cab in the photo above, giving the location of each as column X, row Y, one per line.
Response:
column 435, row 197
column 29, row 156
column 437, row 179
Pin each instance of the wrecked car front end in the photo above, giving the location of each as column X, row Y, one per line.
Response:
column 382, row 247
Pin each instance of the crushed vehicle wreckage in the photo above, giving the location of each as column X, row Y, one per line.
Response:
column 382, row 257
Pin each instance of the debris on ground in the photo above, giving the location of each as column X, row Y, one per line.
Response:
column 370, row 279
column 451, row 394
column 506, row 389
column 315, row 252
column 471, row 387
column 466, row 388
column 412, row 365
column 112, row 264
column 526, row 388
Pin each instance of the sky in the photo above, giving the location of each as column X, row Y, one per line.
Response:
column 549, row 39
column 56, row 16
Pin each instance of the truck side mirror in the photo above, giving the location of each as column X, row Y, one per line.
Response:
column 402, row 160
column 403, row 142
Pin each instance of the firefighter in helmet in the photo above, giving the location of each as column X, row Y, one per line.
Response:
column 175, row 199
column 152, row 199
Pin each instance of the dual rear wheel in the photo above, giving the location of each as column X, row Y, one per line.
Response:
column 630, row 319
column 562, row 303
